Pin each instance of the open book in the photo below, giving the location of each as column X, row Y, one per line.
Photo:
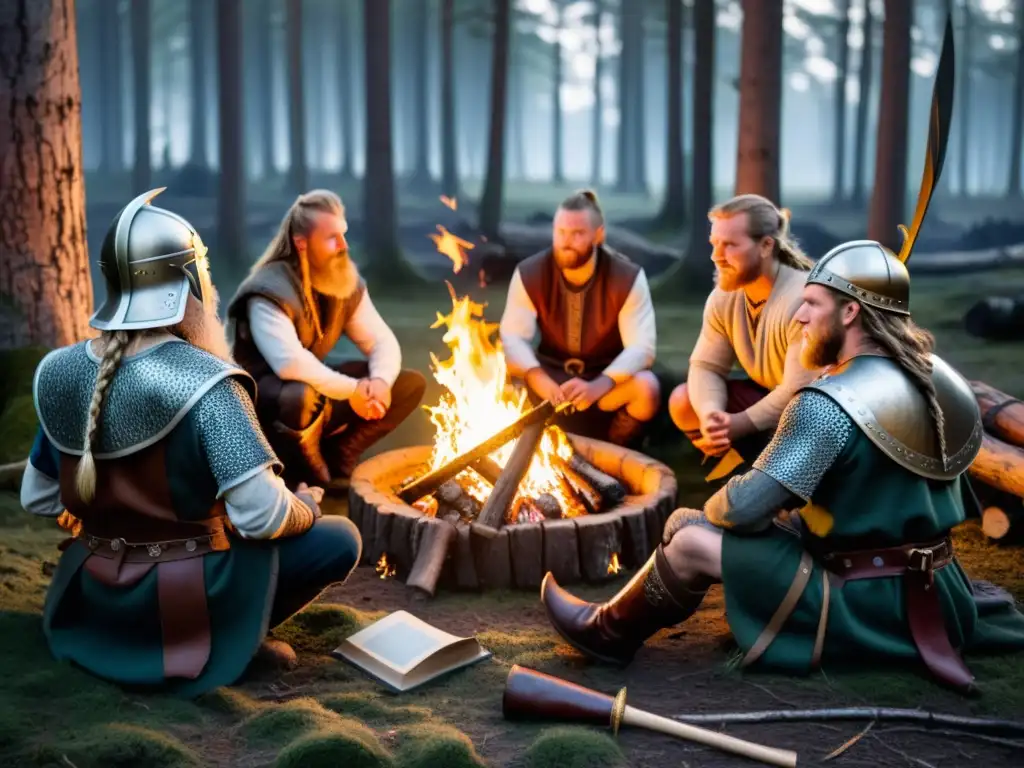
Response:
column 404, row 652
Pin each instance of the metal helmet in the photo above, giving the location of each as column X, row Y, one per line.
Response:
column 868, row 271
column 151, row 260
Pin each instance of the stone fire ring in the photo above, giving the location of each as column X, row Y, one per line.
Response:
column 573, row 549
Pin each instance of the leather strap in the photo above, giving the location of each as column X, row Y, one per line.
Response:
column 819, row 640
column 184, row 617
column 783, row 612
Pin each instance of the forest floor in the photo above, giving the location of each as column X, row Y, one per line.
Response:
column 327, row 713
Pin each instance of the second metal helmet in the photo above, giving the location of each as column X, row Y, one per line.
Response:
column 151, row 260
column 868, row 272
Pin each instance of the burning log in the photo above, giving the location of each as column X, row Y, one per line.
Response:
column 611, row 490
column 1002, row 415
column 504, row 491
column 488, row 469
column 436, row 541
column 452, row 497
column 548, row 506
column 432, row 480
column 579, row 489
column 1000, row 465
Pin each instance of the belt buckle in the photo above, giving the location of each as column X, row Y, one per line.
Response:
column 574, row 366
column 922, row 560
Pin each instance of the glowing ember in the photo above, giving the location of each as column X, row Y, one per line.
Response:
column 613, row 564
column 477, row 404
column 451, row 202
column 451, row 246
column 383, row 568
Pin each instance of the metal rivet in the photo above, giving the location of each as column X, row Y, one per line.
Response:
column 190, row 545
column 154, row 550
column 115, row 545
column 878, row 562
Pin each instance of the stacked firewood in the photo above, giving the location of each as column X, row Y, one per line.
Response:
column 999, row 466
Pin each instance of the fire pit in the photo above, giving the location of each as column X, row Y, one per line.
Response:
column 503, row 496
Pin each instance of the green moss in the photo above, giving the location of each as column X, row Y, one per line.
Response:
column 320, row 628
column 117, row 745
column 374, row 709
column 229, row 701
column 436, row 746
column 348, row 743
column 282, row 723
column 572, row 747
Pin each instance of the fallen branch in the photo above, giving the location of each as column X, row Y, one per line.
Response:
column 882, row 714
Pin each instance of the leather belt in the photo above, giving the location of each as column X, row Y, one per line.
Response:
column 917, row 564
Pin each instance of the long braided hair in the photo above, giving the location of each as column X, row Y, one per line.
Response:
column 910, row 346
column 115, row 343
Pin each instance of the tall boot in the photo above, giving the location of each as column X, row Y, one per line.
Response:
column 614, row 631
column 625, row 430
column 303, row 445
column 344, row 448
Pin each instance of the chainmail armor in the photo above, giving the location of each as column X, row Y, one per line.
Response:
column 681, row 518
column 230, row 434
column 812, row 432
column 151, row 392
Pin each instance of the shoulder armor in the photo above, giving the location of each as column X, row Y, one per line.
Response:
column 884, row 403
column 150, row 394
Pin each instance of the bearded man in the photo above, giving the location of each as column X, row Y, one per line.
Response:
column 302, row 295
column 592, row 307
column 874, row 450
column 186, row 543
column 749, row 320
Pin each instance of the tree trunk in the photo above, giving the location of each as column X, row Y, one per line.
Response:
column 197, row 17
column 265, row 62
column 965, row 61
column 516, row 122
column 673, row 211
column 449, row 147
column 557, row 171
column 865, row 76
column 1013, row 188
column 346, row 70
column 231, row 226
column 379, row 216
column 757, row 160
column 839, row 116
column 631, row 176
column 494, row 180
column 597, row 131
column 888, row 200
column 298, row 171
column 312, row 45
column 45, row 285
column 167, row 74
column 142, row 172
column 112, row 120
column 420, row 55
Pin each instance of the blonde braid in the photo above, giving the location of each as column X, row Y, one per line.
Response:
column 113, row 350
column 910, row 346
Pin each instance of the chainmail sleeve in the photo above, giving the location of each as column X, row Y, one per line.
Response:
column 236, row 448
column 812, row 432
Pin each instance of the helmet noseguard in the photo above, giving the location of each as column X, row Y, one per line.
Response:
column 151, row 260
column 868, row 272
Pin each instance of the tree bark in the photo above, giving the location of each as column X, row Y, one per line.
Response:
column 420, row 55
column 1013, row 188
column 113, row 105
column 597, row 130
column 379, row 216
column 231, row 227
column 346, row 70
column 265, row 61
column 1000, row 465
column 964, row 63
column 142, row 171
column 865, row 76
column 673, row 210
column 888, row 199
column 298, row 172
column 494, row 180
column 557, row 170
column 45, row 284
column 449, row 148
column 1002, row 415
column 839, row 115
column 757, row 160
column 631, row 173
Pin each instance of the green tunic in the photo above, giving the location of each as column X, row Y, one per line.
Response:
column 186, row 418
column 854, row 497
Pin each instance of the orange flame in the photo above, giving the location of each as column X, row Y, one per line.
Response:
column 451, row 202
column 476, row 404
column 451, row 246
column 613, row 564
column 383, row 568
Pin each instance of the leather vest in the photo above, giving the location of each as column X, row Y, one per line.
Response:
column 579, row 323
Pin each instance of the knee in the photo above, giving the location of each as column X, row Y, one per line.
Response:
column 408, row 389
column 341, row 538
column 648, row 392
column 298, row 404
column 681, row 410
column 691, row 553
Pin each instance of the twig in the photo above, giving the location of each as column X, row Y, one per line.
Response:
column 901, row 753
column 67, row 760
column 994, row 740
column 772, row 694
column 849, row 743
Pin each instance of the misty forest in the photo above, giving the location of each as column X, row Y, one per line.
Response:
column 504, row 106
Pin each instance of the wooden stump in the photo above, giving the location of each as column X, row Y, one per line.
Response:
column 492, row 557
column 526, row 542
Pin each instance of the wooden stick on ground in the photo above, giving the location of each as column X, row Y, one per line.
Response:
column 437, row 540
column 496, row 507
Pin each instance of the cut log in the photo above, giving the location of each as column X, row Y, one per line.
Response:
column 995, row 523
column 452, row 497
column 611, row 490
column 1001, row 465
column 492, row 557
column 580, row 490
column 549, row 506
column 504, row 491
column 488, row 469
column 465, row 567
column 1001, row 414
column 436, row 541
column 432, row 480
column 600, row 537
column 526, row 541
column 997, row 318
column 561, row 550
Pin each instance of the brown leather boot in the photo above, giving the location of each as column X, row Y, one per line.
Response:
column 303, row 445
column 625, row 430
column 343, row 451
column 614, row 631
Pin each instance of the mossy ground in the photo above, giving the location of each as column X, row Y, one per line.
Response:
column 327, row 713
